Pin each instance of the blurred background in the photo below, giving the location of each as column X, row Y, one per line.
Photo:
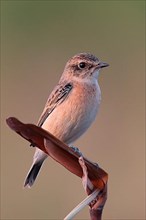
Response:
column 37, row 38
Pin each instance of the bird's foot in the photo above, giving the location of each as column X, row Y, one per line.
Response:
column 76, row 150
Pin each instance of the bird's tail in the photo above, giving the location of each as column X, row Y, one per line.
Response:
column 32, row 174
column 38, row 160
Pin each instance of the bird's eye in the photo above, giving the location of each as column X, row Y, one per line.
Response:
column 82, row 65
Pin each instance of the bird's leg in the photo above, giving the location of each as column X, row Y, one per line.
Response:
column 76, row 150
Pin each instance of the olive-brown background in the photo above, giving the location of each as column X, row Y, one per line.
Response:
column 37, row 38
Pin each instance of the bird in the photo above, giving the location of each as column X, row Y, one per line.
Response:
column 71, row 107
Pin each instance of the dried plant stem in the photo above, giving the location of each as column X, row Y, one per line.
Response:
column 81, row 205
column 93, row 177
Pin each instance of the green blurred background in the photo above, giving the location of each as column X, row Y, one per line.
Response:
column 37, row 38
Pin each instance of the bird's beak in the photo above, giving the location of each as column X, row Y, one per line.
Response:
column 101, row 65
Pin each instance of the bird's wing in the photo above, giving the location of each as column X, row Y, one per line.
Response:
column 58, row 95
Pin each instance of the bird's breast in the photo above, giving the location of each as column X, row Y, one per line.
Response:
column 76, row 113
column 87, row 100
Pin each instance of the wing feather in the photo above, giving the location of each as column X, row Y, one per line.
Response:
column 58, row 95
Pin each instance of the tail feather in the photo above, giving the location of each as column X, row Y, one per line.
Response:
column 32, row 174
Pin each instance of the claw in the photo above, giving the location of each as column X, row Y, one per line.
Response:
column 76, row 150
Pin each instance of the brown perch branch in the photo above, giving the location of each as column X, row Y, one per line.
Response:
column 67, row 157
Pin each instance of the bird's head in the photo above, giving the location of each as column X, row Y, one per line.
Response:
column 84, row 65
